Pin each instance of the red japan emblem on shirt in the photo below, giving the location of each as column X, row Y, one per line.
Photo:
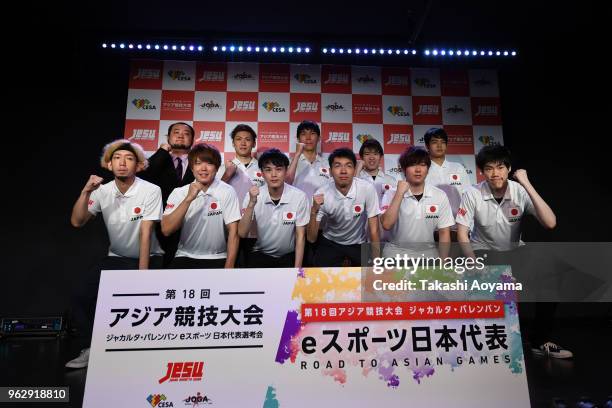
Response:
column 136, row 210
column 514, row 214
column 462, row 212
column 214, row 206
column 432, row 209
column 357, row 209
column 288, row 216
column 387, row 187
column 323, row 171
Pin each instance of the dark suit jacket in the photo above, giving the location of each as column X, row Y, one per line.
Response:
column 161, row 171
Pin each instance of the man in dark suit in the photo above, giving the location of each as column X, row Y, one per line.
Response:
column 169, row 169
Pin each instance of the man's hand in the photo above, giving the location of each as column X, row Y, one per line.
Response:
column 230, row 169
column 359, row 167
column 521, row 176
column 194, row 189
column 253, row 193
column 299, row 148
column 317, row 201
column 92, row 184
column 402, row 187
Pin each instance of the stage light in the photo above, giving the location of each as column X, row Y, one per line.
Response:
column 451, row 52
column 381, row 51
column 414, row 52
column 299, row 49
column 443, row 52
column 148, row 46
column 249, row 48
column 333, row 50
column 490, row 53
column 139, row 46
column 103, row 45
column 505, row 53
column 474, row 52
column 157, row 46
column 265, row 49
column 232, row 48
column 273, row 49
column 357, row 51
column 341, row 50
column 174, row 48
column 349, row 51
column 307, row 50
column 435, row 52
column 514, row 53
column 426, row 52
column 282, row 49
column 290, row 49
column 498, row 53
column 240, row 48
column 121, row 45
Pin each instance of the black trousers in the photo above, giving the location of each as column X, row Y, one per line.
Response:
column 261, row 260
column 183, row 262
column 86, row 292
column 331, row 254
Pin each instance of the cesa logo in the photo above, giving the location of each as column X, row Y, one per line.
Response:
column 159, row 400
column 183, row 371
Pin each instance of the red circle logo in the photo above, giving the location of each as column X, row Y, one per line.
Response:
column 433, row 208
column 289, row 216
column 258, row 174
column 514, row 211
column 324, row 170
column 137, row 210
column 357, row 208
column 387, row 186
column 455, row 177
column 213, row 206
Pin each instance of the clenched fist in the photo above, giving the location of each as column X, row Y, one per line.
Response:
column 253, row 193
column 92, row 184
column 317, row 201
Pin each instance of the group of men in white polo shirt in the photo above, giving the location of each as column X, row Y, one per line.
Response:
column 311, row 211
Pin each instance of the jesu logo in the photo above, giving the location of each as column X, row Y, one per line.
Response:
column 211, row 135
column 304, row 79
column 487, row 110
column 183, row 371
column 397, row 111
column 337, row 79
column 147, row 73
column 197, row 400
column 399, row 138
column 424, row 83
column 143, row 104
column 428, row 110
column 338, row 137
column 395, row 80
column 273, row 107
column 306, row 107
column 243, row 106
column 159, row 400
column 212, row 76
column 179, row 75
column 143, row 134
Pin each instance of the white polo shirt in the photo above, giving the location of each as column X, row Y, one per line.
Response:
column 244, row 178
column 451, row 178
column 418, row 219
column 123, row 214
column 382, row 183
column 276, row 225
column 203, row 234
column 309, row 177
column 496, row 226
column 346, row 217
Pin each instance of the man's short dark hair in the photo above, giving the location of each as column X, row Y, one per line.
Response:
column 412, row 156
column 342, row 152
column 435, row 132
column 206, row 153
column 371, row 144
column 274, row 156
column 308, row 125
column 493, row 153
column 243, row 128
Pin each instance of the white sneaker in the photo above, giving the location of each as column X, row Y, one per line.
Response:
column 552, row 350
column 81, row 361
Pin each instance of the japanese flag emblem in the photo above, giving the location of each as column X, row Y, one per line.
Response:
column 432, row 209
column 288, row 216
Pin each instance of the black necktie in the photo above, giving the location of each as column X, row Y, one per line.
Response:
column 179, row 169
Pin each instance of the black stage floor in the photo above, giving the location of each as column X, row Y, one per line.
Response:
column 40, row 362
